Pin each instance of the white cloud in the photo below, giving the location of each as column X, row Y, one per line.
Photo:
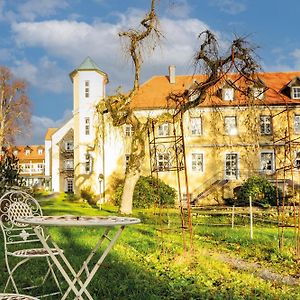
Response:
column 45, row 75
column 39, row 126
column 296, row 55
column 179, row 9
column 29, row 10
column 100, row 41
column 231, row 7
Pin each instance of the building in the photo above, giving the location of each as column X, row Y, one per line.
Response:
column 31, row 163
column 228, row 137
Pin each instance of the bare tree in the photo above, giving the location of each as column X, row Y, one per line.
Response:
column 14, row 106
column 240, row 59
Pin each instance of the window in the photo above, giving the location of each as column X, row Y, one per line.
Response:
column 16, row 152
column 87, row 89
column 297, row 124
column 265, row 125
column 40, row 151
column 87, row 126
column 27, row 152
column 230, row 125
column 68, row 164
column 297, row 160
column 69, row 146
column 163, row 161
column 40, row 167
column 196, row 125
column 128, row 130
column 197, row 162
column 227, row 94
column 258, row 93
column 88, row 163
column 231, row 165
column 267, row 161
column 127, row 156
column 296, row 92
column 163, row 129
column 69, row 185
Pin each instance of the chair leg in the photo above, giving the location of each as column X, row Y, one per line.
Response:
column 53, row 275
column 10, row 273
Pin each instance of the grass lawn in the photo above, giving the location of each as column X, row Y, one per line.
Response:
column 148, row 261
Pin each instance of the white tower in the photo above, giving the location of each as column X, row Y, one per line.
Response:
column 88, row 89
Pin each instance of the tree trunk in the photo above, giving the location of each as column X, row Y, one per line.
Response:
column 131, row 179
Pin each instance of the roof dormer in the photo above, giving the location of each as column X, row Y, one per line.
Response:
column 228, row 91
column 294, row 88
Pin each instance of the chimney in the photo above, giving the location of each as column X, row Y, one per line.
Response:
column 172, row 76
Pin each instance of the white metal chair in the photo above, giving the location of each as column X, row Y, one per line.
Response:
column 20, row 241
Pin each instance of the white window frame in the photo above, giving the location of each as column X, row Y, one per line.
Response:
column 69, row 185
column 295, row 92
column 228, row 93
column 69, row 145
column 297, row 160
column 265, row 125
column 196, row 126
column 127, row 156
column 297, row 123
column 88, row 165
column 230, row 125
column 197, row 162
column 87, row 126
column 258, row 93
column 229, row 170
column 40, row 151
column 267, row 166
column 27, row 152
column 163, row 161
column 163, row 129
column 128, row 130
column 87, row 88
column 68, row 164
column 15, row 152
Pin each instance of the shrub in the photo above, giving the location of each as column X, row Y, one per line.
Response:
column 9, row 172
column 88, row 195
column 262, row 191
column 149, row 191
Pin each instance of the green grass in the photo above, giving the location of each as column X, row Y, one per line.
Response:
column 148, row 261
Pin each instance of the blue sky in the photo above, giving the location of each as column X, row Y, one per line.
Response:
column 42, row 41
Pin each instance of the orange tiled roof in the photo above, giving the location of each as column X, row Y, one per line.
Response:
column 49, row 133
column 154, row 92
column 33, row 156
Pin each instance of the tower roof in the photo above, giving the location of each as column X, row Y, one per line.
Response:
column 87, row 65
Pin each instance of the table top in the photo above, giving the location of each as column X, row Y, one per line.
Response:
column 16, row 297
column 78, row 220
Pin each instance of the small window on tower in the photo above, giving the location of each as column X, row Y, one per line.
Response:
column 87, row 126
column 87, row 88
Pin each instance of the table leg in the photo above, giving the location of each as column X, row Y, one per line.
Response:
column 101, row 259
column 78, row 294
column 85, row 263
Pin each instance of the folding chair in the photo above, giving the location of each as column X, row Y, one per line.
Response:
column 19, row 239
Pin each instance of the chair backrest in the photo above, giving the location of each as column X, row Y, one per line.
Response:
column 13, row 205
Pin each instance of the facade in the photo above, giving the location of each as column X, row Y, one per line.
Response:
column 31, row 163
column 228, row 137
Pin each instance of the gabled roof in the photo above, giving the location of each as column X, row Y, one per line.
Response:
column 153, row 94
column 33, row 156
column 88, row 65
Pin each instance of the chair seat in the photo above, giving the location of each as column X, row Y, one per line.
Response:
column 16, row 297
column 38, row 252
